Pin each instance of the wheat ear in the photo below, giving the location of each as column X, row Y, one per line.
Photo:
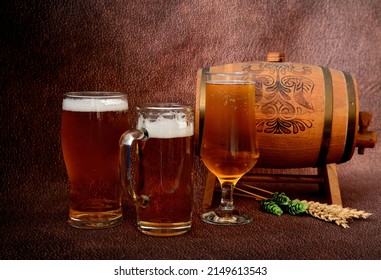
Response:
column 334, row 213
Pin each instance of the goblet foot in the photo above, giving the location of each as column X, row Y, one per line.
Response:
column 223, row 217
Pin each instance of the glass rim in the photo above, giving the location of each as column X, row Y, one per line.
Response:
column 164, row 106
column 95, row 94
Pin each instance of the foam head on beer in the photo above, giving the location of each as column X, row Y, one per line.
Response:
column 94, row 104
column 164, row 127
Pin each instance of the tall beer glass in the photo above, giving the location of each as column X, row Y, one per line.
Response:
column 164, row 165
column 229, row 144
column 92, row 123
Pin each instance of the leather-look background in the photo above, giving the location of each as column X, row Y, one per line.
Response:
column 151, row 50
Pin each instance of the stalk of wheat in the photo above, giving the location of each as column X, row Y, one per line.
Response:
column 334, row 213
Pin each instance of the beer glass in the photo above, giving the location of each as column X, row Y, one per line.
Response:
column 229, row 144
column 163, row 189
column 92, row 123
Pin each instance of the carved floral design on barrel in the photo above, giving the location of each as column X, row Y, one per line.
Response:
column 283, row 97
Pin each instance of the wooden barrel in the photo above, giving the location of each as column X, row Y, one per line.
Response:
column 306, row 115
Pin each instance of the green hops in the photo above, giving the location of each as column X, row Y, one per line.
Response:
column 296, row 207
column 280, row 199
column 271, row 207
column 279, row 202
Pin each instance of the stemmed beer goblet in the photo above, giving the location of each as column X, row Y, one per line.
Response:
column 229, row 145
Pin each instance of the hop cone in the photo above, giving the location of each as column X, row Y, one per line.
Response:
column 280, row 199
column 296, row 207
column 271, row 207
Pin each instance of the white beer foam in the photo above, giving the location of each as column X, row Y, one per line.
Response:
column 94, row 105
column 166, row 128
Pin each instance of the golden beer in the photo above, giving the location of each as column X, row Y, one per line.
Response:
column 91, row 128
column 229, row 129
column 229, row 144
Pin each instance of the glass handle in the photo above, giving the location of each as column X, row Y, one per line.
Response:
column 125, row 155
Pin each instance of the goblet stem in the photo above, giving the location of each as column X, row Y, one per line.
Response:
column 226, row 214
column 227, row 203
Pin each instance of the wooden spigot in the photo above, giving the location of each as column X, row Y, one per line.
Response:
column 365, row 138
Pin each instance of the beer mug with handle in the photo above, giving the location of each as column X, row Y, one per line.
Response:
column 163, row 189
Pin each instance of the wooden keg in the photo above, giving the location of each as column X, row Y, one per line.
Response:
column 306, row 115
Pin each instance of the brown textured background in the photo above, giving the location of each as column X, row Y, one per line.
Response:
column 152, row 50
